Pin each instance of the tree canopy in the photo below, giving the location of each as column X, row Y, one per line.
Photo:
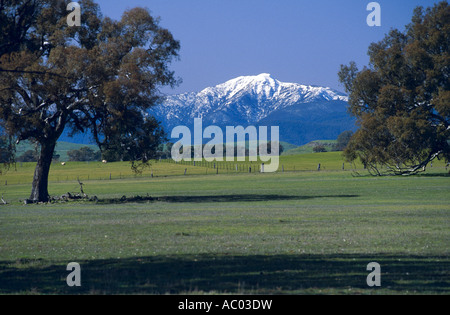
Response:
column 402, row 99
column 100, row 77
column 342, row 140
column 83, row 154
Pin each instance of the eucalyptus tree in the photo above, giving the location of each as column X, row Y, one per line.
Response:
column 402, row 99
column 100, row 78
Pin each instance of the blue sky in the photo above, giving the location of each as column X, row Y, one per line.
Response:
column 294, row 40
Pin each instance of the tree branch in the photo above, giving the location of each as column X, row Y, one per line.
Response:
column 32, row 72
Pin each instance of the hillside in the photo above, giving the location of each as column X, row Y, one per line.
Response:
column 308, row 148
column 62, row 147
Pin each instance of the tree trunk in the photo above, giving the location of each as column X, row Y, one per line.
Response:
column 39, row 190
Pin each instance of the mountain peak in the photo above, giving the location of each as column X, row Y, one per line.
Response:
column 256, row 84
column 265, row 85
column 259, row 99
column 264, row 75
column 265, row 78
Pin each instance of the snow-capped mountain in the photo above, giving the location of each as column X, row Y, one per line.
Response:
column 303, row 112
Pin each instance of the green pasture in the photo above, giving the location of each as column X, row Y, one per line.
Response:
column 22, row 173
column 291, row 232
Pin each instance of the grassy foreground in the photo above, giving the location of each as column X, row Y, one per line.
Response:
column 283, row 233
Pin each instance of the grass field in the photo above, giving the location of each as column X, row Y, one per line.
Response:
column 292, row 232
column 22, row 173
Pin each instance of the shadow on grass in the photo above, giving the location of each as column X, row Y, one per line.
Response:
column 217, row 198
column 219, row 274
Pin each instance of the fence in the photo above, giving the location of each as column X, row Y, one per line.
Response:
column 23, row 173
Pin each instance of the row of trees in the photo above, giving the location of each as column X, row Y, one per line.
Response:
column 88, row 154
column 239, row 150
column 82, row 154
column 85, row 154
column 33, row 156
column 340, row 145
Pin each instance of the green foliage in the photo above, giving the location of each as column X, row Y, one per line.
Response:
column 241, row 149
column 402, row 100
column 139, row 145
column 61, row 149
column 7, row 150
column 100, row 77
column 308, row 148
column 319, row 148
column 166, row 150
column 7, row 153
column 28, row 156
column 84, row 154
column 343, row 140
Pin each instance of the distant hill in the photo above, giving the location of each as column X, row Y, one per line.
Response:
column 308, row 148
column 62, row 148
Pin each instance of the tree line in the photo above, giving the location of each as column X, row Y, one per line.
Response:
column 86, row 154
column 341, row 143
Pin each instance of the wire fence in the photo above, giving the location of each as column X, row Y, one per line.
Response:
column 87, row 171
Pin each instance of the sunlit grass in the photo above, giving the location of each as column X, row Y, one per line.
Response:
column 292, row 232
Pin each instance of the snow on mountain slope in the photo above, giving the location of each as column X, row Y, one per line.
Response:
column 249, row 100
